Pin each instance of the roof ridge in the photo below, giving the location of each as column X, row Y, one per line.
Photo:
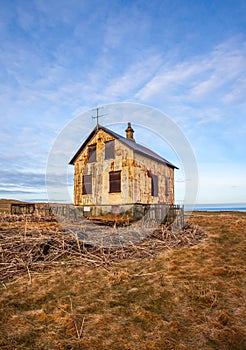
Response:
column 137, row 147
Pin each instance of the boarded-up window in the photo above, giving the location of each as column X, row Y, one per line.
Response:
column 154, row 185
column 92, row 155
column 115, row 181
column 167, row 186
column 87, row 184
column 109, row 149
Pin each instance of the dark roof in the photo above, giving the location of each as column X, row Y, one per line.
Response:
column 136, row 147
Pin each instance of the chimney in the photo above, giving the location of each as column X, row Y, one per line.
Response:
column 129, row 132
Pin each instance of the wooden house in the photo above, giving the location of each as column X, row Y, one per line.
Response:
column 112, row 170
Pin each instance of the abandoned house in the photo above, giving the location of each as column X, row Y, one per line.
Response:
column 112, row 170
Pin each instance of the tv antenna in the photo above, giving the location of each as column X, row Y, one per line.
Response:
column 98, row 116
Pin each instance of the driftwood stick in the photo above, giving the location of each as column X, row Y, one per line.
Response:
column 49, row 245
column 79, row 333
column 29, row 275
column 77, row 240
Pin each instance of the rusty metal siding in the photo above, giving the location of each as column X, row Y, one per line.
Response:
column 142, row 184
column 100, row 173
column 134, row 167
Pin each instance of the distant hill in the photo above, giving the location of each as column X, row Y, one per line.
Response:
column 11, row 201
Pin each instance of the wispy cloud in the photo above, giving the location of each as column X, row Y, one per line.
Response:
column 61, row 59
column 201, row 77
column 21, row 179
column 132, row 79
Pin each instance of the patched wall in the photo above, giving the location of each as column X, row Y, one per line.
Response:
column 136, row 176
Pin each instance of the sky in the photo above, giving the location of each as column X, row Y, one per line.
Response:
column 185, row 58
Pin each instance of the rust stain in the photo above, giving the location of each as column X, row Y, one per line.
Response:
column 135, row 178
column 112, row 166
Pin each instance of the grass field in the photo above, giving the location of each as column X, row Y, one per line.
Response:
column 181, row 296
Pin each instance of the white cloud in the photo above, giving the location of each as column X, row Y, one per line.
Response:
column 237, row 93
column 133, row 78
column 215, row 73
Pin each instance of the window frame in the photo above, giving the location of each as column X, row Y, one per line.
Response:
column 115, row 184
column 109, row 153
column 86, row 185
column 92, row 153
column 167, row 183
column 154, row 185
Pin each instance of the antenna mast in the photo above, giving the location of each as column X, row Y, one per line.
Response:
column 98, row 116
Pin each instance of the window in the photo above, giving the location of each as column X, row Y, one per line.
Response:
column 115, row 181
column 109, row 149
column 92, row 154
column 167, row 186
column 87, row 184
column 154, row 185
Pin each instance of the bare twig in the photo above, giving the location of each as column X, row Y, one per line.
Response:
column 47, row 244
column 29, row 275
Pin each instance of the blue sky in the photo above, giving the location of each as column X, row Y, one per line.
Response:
column 60, row 59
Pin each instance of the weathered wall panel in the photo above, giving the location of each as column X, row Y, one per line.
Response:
column 142, row 184
column 135, row 179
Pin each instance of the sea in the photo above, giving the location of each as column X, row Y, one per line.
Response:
column 218, row 207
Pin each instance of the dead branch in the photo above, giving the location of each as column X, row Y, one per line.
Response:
column 46, row 244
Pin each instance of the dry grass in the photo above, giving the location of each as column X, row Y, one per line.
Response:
column 168, row 292
column 29, row 244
